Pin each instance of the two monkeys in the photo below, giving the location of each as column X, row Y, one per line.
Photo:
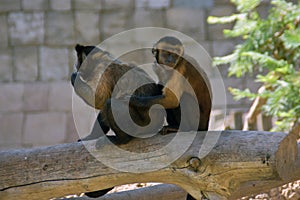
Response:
column 183, row 88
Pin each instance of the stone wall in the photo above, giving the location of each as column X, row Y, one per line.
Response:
column 36, row 55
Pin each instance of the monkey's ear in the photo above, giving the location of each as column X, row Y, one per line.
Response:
column 154, row 51
column 79, row 48
column 181, row 51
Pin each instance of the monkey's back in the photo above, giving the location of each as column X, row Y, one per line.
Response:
column 199, row 81
column 123, row 80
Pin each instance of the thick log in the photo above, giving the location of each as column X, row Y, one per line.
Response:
column 239, row 159
column 173, row 192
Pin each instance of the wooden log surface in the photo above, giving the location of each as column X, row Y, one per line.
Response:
column 238, row 159
column 160, row 191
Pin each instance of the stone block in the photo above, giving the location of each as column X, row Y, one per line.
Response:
column 60, row 96
column 137, row 57
column 234, row 83
column 88, row 4
column 87, row 27
column 215, row 31
column 35, row 4
column 193, row 3
column 11, row 97
column 201, row 48
column 150, row 18
column 222, row 2
column 223, row 69
column 26, row 63
column 44, row 128
column 11, row 130
column 3, row 31
column 10, row 5
column 127, row 51
column 26, row 28
column 252, row 85
column 207, row 46
column 114, row 22
column 189, row 21
column 6, row 73
column 221, row 10
column 60, row 4
column 117, row 4
column 263, row 10
column 36, row 96
column 84, row 116
column 60, row 28
column 72, row 61
column 152, row 4
column 218, row 92
column 222, row 48
column 54, row 63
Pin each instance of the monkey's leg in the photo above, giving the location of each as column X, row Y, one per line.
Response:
column 121, row 136
column 189, row 197
column 99, row 129
column 98, row 193
column 173, row 119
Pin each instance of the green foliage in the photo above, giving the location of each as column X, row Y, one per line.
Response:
column 271, row 45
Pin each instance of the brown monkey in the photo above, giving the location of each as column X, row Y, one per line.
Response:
column 169, row 54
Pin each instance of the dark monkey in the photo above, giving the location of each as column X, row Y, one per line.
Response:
column 97, row 73
column 94, row 81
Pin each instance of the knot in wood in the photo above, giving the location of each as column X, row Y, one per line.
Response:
column 45, row 167
column 194, row 163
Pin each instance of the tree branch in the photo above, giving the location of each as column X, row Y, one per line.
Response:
column 255, row 109
column 237, row 160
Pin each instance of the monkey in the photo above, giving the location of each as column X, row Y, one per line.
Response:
column 94, row 80
column 170, row 58
column 95, row 76
column 168, row 53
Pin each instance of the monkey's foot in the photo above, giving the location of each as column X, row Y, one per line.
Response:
column 168, row 129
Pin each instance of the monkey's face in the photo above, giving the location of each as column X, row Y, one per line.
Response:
column 88, row 70
column 167, row 54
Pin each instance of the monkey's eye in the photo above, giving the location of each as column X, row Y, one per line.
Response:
column 154, row 51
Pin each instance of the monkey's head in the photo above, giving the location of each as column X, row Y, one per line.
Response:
column 97, row 73
column 168, row 51
column 91, row 64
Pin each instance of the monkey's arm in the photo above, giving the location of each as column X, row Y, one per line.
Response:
column 168, row 100
column 170, row 97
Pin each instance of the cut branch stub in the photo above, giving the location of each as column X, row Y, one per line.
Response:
column 236, row 159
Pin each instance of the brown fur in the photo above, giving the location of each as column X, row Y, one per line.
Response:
column 169, row 51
